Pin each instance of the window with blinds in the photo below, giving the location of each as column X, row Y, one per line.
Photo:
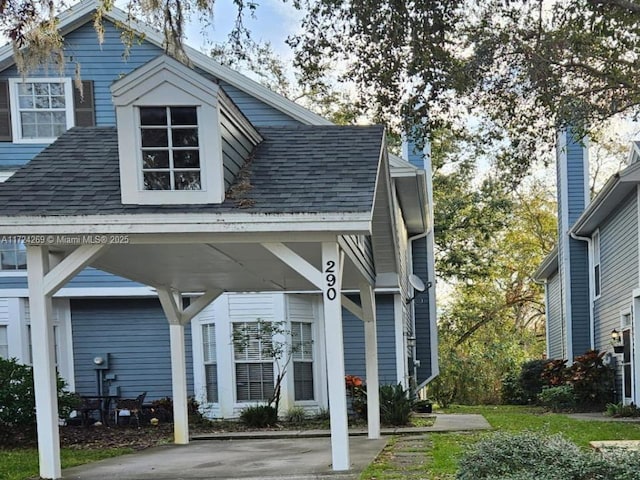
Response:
column 253, row 367
column 210, row 362
column 302, row 345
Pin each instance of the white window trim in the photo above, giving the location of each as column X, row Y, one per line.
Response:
column 15, row 110
column 237, row 361
column 205, row 396
column 312, row 361
column 165, row 82
column 597, row 261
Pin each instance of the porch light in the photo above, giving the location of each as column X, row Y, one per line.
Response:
column 616, row 341
column 615, row 337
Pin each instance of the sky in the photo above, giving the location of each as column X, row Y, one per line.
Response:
column 274, row 21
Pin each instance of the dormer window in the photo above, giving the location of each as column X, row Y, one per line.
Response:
column 181, row 140
column 170, row 148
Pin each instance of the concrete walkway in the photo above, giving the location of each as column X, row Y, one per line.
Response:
column 290, row 455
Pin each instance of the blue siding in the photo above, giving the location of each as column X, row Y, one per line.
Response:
column 13, row 281
column 580, row 314
column 105, row 63
column 88, row 278
column 102, row 64
column 421, row 309
column 354, row 355
column 259, row 114
column 619, row 269
column 94, row 278
column 414, row 155
column 135, row 333
column 574, row 263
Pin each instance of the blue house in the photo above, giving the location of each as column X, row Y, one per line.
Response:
column 591, row 278
column 160, row 207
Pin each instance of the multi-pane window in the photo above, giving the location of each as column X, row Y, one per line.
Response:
column 253, row 365
column 4, row 342
column 302, row 346
column 210, row 363
column 13, row 256
column 170, row 148
column 43, row 108
column 596, row 263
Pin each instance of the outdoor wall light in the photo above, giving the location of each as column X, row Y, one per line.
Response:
column 616, row 341
column 616, row 338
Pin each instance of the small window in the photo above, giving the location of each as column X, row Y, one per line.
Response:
column 210, row 362
column 170, row 148
column 596, row 264
column 42, row 109
column 4, row 342
column 302, row 346
column 13, row 256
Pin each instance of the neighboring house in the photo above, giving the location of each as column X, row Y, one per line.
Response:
column 592, row 281
column 209, row 184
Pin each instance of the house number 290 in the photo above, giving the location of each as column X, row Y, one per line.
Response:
column 330, row 277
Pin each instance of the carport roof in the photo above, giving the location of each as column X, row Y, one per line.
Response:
column 296, row 169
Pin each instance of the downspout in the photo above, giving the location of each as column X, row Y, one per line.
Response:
column 591, row 287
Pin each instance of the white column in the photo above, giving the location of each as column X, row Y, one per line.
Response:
column 44, row 372
column 368, row 301
column 331, row 277
column 179, row 384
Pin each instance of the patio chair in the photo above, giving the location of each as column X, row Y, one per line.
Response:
column 133, row 406
column 87, row 406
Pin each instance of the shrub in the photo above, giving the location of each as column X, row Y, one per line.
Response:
column 357, row 394
column 296, row 415
column 558, row 399
column 511, row 391
column 530, row 456
column 554, row 373
column 17, row 400
column 259, row 416
column 621, row 410
column 593, row 381
column 531, row 380
column 395, row 405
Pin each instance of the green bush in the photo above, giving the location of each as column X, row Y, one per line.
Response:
column 558, row 399
column 17, row 400
column 511, row 391
column 531, row 456
column 620, row 410
column 530, row 380
column 395, row 405
column 593, row 382
column 259, row 416
column 296, row 415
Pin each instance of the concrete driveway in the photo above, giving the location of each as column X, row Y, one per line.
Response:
column 264, row 459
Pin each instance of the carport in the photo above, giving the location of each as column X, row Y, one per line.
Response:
column 196, row 252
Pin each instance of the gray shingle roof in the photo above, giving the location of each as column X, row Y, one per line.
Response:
column 296, row 169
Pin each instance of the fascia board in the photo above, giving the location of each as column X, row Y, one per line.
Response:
column 337, row 223
column 160, row 70
column 548, row 266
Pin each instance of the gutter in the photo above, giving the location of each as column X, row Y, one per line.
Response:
column 590, row 254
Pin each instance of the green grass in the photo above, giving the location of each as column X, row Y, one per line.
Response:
column 442, row 451
column 22, row 464
column 448, row 448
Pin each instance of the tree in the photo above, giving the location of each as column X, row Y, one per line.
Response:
column 521, row 68
column 495, row 321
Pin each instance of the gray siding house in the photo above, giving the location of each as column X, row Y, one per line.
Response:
column 592, row 277
column 61, row 159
